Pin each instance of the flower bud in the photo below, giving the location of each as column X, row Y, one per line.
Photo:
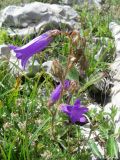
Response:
column 57, row 92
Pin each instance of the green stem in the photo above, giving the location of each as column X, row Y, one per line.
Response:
column 53, row 124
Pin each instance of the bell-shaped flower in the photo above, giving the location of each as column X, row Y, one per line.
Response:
column 75, row 112
column 34, row 46
column 55, row 95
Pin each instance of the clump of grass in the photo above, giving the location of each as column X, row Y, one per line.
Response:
column 3, row 36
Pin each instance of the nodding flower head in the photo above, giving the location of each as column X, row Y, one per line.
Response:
column 34, row 46
column 75, row 112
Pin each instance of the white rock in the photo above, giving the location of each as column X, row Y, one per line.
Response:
column 35, row 17
column 116, row 99
column 94, row 107
column 47, row 67
column 99, row 53
column 4, row 51
column 107, row 108
column 115, row 71
column 98, row 3
column 115, row 29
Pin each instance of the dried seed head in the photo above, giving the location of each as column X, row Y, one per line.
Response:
column 75, row 37
column 71, row 61
column 74, row 86
column 57, row 70
column 55, row 32
column 77, row 40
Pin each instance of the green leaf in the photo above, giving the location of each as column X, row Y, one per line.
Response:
column 94, row 148
column 65, row 49
column 3, row 153
column 112, row 147
column 73, row 74
column 91, row 81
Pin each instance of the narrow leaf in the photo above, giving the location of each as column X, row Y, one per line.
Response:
column 36, row 133
column 94, row 148
column 112, row 147
column 3, row 153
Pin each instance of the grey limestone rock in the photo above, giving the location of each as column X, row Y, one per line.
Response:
column 4, row 51
column 37, row 17
column 115, row 72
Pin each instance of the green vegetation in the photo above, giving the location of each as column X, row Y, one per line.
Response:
column 25, row 118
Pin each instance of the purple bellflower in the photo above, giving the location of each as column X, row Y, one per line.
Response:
column 34, row 46
column 55, row 95
column 75, row 112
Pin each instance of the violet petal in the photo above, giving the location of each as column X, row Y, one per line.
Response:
column 66, row 109
column 83, row 119
column 66, row 84
column 55, row 95
column 77, row 103
column 34, row 46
